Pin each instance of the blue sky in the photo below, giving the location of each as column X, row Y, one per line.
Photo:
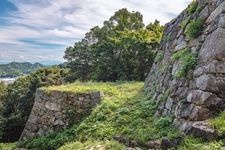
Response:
column 40, row 30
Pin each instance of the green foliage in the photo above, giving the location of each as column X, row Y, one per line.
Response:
column 123, row 49
column 194, row 28
column 18, row 100
column 187, row 60
column 125, row 110
column 7, row 146
column 192, row 7
column 163, row 122
column 15, row 69
column 219, row 123
column 96, row 145
column 190, row 143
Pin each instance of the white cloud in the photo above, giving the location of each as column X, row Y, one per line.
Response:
column 62, row 22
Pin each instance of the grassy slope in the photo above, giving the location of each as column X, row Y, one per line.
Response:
column 125, row 110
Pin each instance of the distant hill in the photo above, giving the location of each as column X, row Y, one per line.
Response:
column 15, row 69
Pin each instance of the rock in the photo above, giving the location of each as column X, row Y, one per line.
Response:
column 211, row 83
column 167, row 144
column 53, row 106
column 213, row 47
column 59, row 122
column 57, row 111
column 205, row 99
column 216, row 12
column 202, row 129
column 169, row 104
column 200, row 94
column 222, row 21
column 153, row 144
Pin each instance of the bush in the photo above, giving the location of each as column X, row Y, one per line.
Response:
column 187, row 60
column 192, row 7
column 194, row 28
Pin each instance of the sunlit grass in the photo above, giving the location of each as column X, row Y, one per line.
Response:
column 125, row 110
column 7, row 146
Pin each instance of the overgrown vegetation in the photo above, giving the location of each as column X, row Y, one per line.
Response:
column 18, row 98
column 187, row 61
column 125, row 110
column 194, row 28
column 191, row 143
column 123, row 49
column 219, row 123
column 7, row 146
column 192, row 7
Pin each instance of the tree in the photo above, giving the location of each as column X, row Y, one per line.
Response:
column 123, row 49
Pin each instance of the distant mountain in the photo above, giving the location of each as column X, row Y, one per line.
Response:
column 50, row 63
column 15, row 69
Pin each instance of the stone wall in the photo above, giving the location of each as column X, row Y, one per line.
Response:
column 200, row 94
column 55, row 111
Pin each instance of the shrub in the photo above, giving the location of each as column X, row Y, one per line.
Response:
column 192, row 7
column 194, row 28
column 163, row 122
column 187, row 60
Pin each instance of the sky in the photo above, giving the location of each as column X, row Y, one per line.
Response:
column 40, row 30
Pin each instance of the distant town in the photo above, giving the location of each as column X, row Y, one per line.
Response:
column 8, row 80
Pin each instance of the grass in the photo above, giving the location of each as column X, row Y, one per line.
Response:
column 194, row 28
column 125, row 110
column 187, row 60
column 95, row 145
column 7, row 146
column 219, row 124
column 191, row 143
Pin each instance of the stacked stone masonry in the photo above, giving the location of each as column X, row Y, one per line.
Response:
column 200, row 95
column 55, row 111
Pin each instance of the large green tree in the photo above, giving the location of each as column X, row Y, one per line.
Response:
column 122, row 49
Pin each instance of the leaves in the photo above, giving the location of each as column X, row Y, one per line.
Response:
column 123, row 49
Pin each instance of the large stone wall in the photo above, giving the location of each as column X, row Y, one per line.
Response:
column 200, row 95
column 54, row 111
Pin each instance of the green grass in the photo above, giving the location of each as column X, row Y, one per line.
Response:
column 95, row 145
column 125, row 110
column 194, row 28
column 191, row 143
column 187, row 60
column 7, row 146
column 219, row 123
